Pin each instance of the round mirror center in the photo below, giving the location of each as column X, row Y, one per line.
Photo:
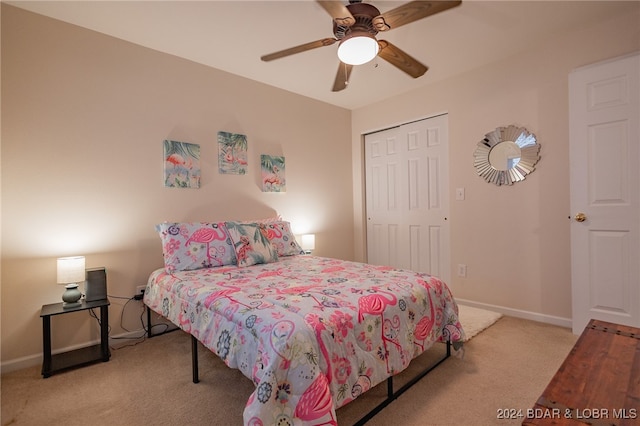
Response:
column 505, row 155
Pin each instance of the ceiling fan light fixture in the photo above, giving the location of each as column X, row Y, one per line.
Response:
column 358, row 50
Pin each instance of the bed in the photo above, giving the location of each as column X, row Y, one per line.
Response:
column 312, row 333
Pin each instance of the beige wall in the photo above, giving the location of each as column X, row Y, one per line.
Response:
column 83, row 120
column 515, row 240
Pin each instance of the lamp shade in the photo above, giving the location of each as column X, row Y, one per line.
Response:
column 71, row 270
column 358, row 49
column 308, row 242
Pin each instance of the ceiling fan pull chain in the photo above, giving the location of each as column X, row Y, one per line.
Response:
column 346, row 75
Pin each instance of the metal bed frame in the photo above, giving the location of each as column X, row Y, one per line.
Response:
column 391, row 394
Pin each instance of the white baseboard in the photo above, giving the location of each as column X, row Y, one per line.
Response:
column 534, row 316
column 21, row 363
column 36, row 359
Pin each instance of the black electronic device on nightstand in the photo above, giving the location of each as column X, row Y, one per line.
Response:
column 95, row 286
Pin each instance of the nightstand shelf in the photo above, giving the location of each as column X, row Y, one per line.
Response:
column 79, row 357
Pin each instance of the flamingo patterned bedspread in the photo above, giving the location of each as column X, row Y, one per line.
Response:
column 312, row 333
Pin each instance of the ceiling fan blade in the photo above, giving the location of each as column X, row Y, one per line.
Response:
column 411, row 12
column 299, row 49
column 338, row 12
column 397, row 57
column 342, row 77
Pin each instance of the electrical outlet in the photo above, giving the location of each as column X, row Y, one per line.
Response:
column 462, row 270
column 139, row 292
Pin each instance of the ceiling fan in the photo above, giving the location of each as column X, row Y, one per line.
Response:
column 356, row 25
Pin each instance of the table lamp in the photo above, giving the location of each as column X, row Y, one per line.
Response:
column 71, row 271
column 308, row 242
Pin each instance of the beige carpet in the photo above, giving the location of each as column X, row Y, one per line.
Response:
column 505, row 366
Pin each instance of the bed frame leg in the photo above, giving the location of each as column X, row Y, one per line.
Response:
column 194, row 359
column 148, row 309
column 391, row 395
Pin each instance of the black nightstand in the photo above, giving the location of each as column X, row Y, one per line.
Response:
column 79, row 357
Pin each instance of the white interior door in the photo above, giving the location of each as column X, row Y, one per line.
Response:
column 407, row 201
column 605, row 190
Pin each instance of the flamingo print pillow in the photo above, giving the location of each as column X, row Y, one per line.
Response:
column 189, row 246
column 281, row 237
column 251, row 243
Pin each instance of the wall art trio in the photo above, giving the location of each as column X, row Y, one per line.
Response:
column 182, row 163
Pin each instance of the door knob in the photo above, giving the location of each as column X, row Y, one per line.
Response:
column 580, row 217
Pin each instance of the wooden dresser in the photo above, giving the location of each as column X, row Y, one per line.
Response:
column 597, row 384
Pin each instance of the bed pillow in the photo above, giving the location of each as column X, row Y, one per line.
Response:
column 264, row 220
column 281, row 237
column 196, row 245
column 251, row 244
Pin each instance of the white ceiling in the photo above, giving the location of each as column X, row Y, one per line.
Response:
column 232, row 35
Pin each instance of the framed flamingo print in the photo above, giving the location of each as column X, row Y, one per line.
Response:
column 232, row 153
column 272, row 169
column 181, row 164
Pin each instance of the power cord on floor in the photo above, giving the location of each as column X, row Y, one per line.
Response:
column 145, row 327
column 140, row 338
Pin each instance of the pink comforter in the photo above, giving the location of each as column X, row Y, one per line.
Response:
column 312, row 333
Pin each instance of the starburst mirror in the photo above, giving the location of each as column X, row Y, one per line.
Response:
column 506, row 155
